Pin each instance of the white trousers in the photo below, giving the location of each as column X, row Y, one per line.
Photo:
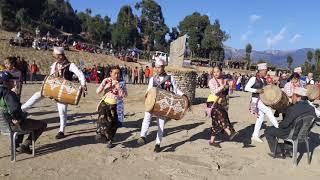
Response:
column 146, row 124
column 263, row 111
column 62, row 109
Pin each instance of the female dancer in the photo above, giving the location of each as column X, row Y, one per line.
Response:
column 217, row 105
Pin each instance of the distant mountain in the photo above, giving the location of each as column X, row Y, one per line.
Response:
column 275, row 57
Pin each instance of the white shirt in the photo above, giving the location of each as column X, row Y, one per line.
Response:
column 249, row 85
column 315, row 109
column 73, row 68
column 309, row 81
column 173, row 83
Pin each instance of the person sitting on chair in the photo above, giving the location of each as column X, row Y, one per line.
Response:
column 301, row 107
column 9, row 102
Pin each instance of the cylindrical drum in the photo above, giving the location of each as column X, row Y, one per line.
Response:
column 165, row 104
column 61, row 90
column 275, row 98
column 313, row 92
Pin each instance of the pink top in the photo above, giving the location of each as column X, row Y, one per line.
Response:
column 217, row 85
column 111, row 89
column 289, row 88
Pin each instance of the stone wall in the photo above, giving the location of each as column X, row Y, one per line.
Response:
column 187, row 82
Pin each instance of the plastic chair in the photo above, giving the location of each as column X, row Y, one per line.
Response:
column 302, row 136
column 14, row 132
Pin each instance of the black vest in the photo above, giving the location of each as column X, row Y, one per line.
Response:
column 165, row 84
column 66, row 73
column 259, row 84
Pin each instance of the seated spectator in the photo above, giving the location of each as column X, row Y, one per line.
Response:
column 301, row 107
column 13, row 113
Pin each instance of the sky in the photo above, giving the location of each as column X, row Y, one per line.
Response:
column 266, row 24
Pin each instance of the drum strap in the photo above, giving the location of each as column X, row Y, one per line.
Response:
column 166, row 78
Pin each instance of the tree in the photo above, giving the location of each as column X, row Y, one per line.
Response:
column 248, row 55
column 22, row 17
column 194, row 26
column 309, row 56
column 174, row 34
column 152, row 24
column 317, row 58
column 289, row 61
column 124, row 32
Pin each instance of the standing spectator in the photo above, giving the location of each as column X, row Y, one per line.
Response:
column 33, row 71
column 124, row 73
column 283, row 80
column 37, row 33
column 129, row 73
column 147, row 74
column 100, row 71
column 141, row 75
column 24, row 70
column 310, row 79
column 108, row 70
column 135, row 75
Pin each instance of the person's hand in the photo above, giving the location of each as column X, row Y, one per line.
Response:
column 117, row 85
column 260, row 91
column 15, row 122
column 84, row 88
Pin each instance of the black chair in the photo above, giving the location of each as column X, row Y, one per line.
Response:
column 303, row 136
column 14, row 132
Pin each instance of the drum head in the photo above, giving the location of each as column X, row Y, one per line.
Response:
column 313, row 92
column 150, row 99
column 271, row 95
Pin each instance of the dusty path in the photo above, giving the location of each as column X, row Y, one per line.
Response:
column 186, row 153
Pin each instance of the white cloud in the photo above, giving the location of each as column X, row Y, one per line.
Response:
column 295, row 38
column 273, row 40
column 254, row 18
column 245, row 35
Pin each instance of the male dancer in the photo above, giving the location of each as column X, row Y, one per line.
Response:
column 164, row 81
column 65, row 69
column 255, row 85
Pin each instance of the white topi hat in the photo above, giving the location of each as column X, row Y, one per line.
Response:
column 58, row 50
column 262, row 66
column 159, row 62
column 298, row 70
column 300, row 91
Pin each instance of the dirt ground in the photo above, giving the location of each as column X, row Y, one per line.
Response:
column 186, row 153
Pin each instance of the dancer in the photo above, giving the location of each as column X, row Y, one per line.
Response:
column 255, row 86
column 163, row 81
column 217, row 105
column 108, row 121
column 65, row 69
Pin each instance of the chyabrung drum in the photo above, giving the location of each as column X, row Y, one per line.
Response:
column 274, row 97
column 165, row 104
column 61, row 90
column 313, row 92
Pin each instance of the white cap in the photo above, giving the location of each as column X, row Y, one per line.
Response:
column 300, row 91
column 298, row 70
column 159, row 62
column 262, row 66
column 58, row 50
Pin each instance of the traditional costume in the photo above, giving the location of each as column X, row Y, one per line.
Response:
column 108, row 121
column 256, row 105
column 64, row 70
column 217, row 104
column 166, row 82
